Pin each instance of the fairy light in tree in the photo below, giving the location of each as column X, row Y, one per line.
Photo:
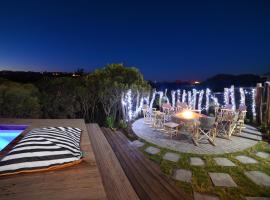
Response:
column 184, row 96
column 253, row 95
column 232, row 95
column 139, row 108
column 137, row 100
column 129, row 104
column 226, row 96
column 178, row 95
column 200, row 100
column 173, row 97
column 153, row 99
column 207, row 94
column 194, row 98
column 147, row 99
column 189, row 98
column 160, row 97
column 242, row 96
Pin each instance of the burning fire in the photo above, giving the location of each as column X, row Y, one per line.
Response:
column 187, row 114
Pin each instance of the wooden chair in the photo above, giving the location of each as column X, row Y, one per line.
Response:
column 207, row 128
column 171, row 128
column 159, row 120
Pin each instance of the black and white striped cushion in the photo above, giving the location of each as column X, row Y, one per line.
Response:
column 43, row 148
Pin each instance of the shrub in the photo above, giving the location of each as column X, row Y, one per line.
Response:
column 109, row 122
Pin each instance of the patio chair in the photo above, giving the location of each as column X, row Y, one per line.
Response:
column 224, row 120
column 233, row 126
column 240, row 124
column 180, row 106
column 207, row 128
column 159, row 120
column 148, row 115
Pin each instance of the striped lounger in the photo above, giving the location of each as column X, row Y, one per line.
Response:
column 43, row 149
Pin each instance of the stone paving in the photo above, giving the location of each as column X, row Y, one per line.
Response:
column 263, row 155
column 171, row 157
column 152, row 150
column 222, row 179
column 183, row 175
column 183, row 142
column 224, row 162
column 196, row 161
column 246, row 160
column 138, row 143
column 202, row 196
column 259, row 178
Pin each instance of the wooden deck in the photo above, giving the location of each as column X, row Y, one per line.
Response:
column 116, row 183
column 145, row 176
column 81, row 181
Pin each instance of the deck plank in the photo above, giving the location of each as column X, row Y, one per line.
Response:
column 82, row 181
column 145, row 176
column 116, row 183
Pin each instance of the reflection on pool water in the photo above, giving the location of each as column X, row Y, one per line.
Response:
column 8, row 133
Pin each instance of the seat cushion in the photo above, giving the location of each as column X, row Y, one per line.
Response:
column 43, row 149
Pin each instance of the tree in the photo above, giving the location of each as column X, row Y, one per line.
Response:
column 110, row 82
column 19, row 100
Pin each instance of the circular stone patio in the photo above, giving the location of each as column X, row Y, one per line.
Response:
column 183, row 142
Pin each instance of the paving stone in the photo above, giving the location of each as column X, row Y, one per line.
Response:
column 263, row 155
column 138, row 143
column 258, row 177
column 152, row 150
column 196, row 161
column 182, row 175
column 202, row 196
column 222, row 179
column 246, row 159
column 257, row 198
column 171, row 157
column 224, row 162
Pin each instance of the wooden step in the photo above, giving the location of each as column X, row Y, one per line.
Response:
column 115, row 181
column 145, row 176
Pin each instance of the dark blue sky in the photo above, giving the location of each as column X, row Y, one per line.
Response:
column 166, row 40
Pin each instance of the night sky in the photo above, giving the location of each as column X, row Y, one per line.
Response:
column 166, row 40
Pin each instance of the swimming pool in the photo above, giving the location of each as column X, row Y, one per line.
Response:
column 8, row 133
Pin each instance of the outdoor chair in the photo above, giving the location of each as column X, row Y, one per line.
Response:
column 181, row 106
column 171, row 128
column 207, row 128
column 233, row 126
column 224, row 120
column 159, row 120
column 148, row 115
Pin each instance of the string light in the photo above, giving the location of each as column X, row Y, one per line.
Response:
column 153, row 99
column 200, row 100
column 253, row 92
column 194, row 97
column 189, row 98
column 184, row 95
column 139, row 108
column 226, row 97
column 207, row 94
column 129, row 104
column 173, row 98
column 242, row 96
column 232, row 95
column 178, row 95
column 160, row 97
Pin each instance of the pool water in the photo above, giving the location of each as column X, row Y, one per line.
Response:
column 8, row 133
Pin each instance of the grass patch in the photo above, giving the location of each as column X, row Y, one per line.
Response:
column 201, row 181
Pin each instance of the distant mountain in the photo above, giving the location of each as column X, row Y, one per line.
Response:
column 218, row 82
column 30, row 77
